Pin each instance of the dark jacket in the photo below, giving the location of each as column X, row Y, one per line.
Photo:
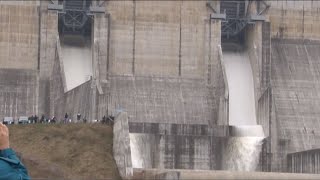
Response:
column 10, row 166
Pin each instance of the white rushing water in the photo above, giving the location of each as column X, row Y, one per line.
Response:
column 242, row 151
column 141, row 151
column 136, row 157
column 77, row 62
column 241, row 89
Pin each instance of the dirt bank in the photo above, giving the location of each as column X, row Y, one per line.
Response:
column 72, row 151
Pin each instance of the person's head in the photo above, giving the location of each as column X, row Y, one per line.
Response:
column 4, row 137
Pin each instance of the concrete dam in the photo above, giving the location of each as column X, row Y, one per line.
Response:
column 225, row 89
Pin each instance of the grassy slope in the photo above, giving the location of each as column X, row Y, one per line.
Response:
column 73, row 151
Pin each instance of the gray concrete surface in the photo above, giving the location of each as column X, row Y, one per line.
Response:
column 18, row 92
column 205, row 175
column 166, row 146
column 184, row 82
column 63, row 100
column 121, row 145
column 19, row 35
column 295, row 98
column 176, row 152
column 140, row 33
column 167, row 100
column 304, row 161
column 178, row 129
column 295, row 19
column 48, row 32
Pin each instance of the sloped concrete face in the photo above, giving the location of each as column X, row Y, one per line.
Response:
column 166, row 100
column 295, row 98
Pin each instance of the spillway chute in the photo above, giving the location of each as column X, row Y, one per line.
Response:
column 243, row 147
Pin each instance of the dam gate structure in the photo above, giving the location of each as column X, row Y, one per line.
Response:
column 166, row 71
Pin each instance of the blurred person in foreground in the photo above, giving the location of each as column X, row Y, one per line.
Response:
column 10, row 166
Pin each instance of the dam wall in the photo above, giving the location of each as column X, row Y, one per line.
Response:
column 74, row 101
column 295, row 19
column 286, row 79
column 283, row 55
column 48, row 37
column 176, row 146
column 19, row 27
column 162, row 38
column 157, row 50
column 166, row 100
column 48, row 32
column 166, row 145
column 304, row 162
column 176, row 151
column 77, row 100
column 128, row 43
column 18, row 92
column 295, row 98
column 19, row 34
column 101, row 48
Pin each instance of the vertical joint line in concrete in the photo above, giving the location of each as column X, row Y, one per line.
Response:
column 303, row 20
column 180, row 41
column 270, row 124
column 108, row 48
column 39, row 36
column 209, row 53
column 134, row 37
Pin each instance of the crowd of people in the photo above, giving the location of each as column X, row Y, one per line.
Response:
column 109, row 120
column 35, row 119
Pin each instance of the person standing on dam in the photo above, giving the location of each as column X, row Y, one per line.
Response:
column 66, row 118
column 11, row 167
column 78, row 117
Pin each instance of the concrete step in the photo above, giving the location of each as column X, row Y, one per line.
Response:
column 166, row 174
column 178, row 129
